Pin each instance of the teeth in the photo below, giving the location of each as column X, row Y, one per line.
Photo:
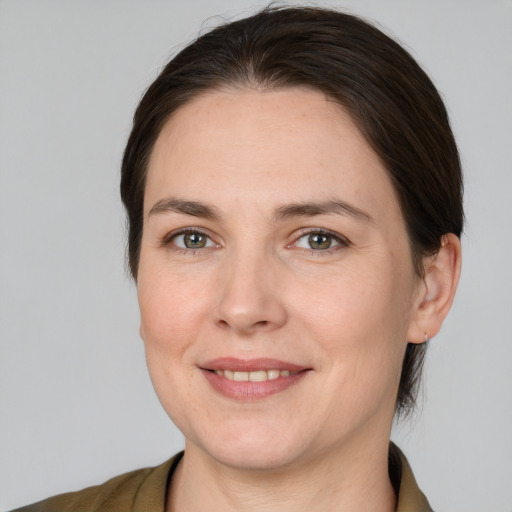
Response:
column 240, row 376
column 273, row 374
column 257, row 376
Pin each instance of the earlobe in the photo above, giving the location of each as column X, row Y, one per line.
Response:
column 437, row 291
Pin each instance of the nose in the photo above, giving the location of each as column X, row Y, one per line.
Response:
column 249, row 296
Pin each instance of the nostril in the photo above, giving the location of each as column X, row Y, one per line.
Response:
column 246, row 314
column 256, row 325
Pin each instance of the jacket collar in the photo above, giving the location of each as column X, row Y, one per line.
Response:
column 409, row 496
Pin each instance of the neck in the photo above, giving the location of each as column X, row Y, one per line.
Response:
column 343, row 479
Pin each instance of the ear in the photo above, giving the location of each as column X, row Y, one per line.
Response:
column 436, row 291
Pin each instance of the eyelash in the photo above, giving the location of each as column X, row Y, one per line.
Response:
column 169, row 239
column 341, row 241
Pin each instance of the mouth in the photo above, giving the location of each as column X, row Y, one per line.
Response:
column 255, row 376
column 252, row 379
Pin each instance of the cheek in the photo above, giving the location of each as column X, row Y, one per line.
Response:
column 170, row 301
column 354, row 302
column 172, row 309
column 170, row 319
column 360, row 322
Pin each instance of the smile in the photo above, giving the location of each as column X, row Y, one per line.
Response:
column 257, row 376
column 249, row 380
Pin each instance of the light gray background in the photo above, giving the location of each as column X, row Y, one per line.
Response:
column 76, row 404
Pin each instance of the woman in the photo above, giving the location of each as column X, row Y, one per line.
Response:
column 293, row 192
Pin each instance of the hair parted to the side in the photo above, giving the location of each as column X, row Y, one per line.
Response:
column 387, row 94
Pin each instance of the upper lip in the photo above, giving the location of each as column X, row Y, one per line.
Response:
column 251, row 365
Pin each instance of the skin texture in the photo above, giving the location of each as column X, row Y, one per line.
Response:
column 258, row 290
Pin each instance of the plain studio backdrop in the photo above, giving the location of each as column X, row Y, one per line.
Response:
column 76, row 402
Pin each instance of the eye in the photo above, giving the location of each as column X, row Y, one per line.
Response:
column 192, row 240
column 319, row 241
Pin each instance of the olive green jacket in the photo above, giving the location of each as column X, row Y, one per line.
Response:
column 144, row 490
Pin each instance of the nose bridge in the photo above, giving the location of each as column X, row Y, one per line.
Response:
column 249, row 298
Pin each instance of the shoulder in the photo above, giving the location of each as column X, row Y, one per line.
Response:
column 140, row 490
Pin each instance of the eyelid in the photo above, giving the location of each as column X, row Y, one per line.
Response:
column 340, row 239
column 169, row 237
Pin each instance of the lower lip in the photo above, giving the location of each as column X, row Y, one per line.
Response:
column 247, row 390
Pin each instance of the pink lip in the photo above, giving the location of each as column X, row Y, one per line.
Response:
column 250, row 365
column 247, row 390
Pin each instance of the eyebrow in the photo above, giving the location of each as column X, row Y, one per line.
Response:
column 335, row 206
column 194, row 208
column 306, row 209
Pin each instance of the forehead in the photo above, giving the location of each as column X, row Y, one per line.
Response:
column 260, row 145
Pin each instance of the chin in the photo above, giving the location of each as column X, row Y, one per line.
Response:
column 254, row 456
column 261, row 447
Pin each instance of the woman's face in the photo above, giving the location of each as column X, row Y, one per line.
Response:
column 275, row 284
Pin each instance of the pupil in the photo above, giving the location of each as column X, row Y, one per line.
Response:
column 194, row 240
column 318, row 241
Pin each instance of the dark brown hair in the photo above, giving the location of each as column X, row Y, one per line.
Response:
column 390, row 98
